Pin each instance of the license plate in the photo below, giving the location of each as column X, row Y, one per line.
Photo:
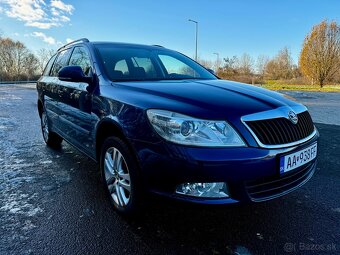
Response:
column 297, row 159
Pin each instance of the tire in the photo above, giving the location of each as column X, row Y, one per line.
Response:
column 120, row 172
column 51, row 139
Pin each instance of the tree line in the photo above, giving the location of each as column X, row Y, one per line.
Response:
column 247, row 69
column 18, row 63
column 319, row 61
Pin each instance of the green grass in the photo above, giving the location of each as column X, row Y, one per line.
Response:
column 278, row 86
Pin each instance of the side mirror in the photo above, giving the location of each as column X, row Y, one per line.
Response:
column 73, row 74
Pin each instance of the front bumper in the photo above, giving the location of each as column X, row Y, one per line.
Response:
column 251, row 173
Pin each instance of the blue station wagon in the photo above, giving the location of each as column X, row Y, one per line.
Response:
column 158, row 122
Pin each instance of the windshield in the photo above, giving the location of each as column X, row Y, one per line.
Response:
column 129, row 63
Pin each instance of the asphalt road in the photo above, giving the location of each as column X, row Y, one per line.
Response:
column 52, row 202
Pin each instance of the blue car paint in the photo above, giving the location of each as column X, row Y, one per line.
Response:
column 77, row 115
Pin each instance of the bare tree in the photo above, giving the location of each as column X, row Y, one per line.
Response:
column 8, row 57
column 285, row 63
column 281, row 66
column 30, row 63
column 272, row 70
column 230, row 65
column 246, row 64
column 261, row 63
column 43, row 57
column 2, row 73
column 320, row 55
column 14, row 57
column 21, row 53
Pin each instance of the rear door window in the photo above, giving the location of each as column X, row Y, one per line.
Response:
column 61, row 61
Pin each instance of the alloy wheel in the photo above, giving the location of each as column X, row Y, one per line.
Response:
column 44, row 126
column 117, row 177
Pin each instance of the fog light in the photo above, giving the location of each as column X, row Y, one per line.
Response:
column 203, row 189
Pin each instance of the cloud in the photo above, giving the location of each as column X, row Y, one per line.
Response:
column 36, row 13
column 64, row 18
column 55, row 12
column 48, row 39
column 41, row 25
column 24, row 10
column 68, row 8
column 68, row 40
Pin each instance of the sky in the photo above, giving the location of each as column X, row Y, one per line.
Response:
column 226, row 27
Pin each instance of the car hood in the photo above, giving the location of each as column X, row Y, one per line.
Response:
column 208, row 99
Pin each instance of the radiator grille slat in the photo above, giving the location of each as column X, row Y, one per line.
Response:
column 262, row 189
column 281, row 130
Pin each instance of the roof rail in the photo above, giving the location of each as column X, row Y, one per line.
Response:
column 76, row 41
column 156, row 45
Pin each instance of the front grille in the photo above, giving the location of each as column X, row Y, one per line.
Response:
column 281, row 130
column 268, row 188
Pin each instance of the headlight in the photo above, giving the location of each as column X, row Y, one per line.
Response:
column 186, row 130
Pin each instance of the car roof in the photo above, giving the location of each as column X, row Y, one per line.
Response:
column 115, row 44
column 121, row 44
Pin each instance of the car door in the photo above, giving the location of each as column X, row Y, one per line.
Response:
column 52, row 89
column 76, row 105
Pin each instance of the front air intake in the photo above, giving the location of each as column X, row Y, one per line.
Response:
column 279, row 131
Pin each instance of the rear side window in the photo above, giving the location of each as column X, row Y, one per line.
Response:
column 81, row 58
column 60, row 62
column 48, row 66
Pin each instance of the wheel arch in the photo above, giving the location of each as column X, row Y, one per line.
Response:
column 107, row 128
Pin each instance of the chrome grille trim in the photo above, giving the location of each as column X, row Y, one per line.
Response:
column 281, row 112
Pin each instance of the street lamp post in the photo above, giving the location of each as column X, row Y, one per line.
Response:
column 217, row 60
column 196, row 36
